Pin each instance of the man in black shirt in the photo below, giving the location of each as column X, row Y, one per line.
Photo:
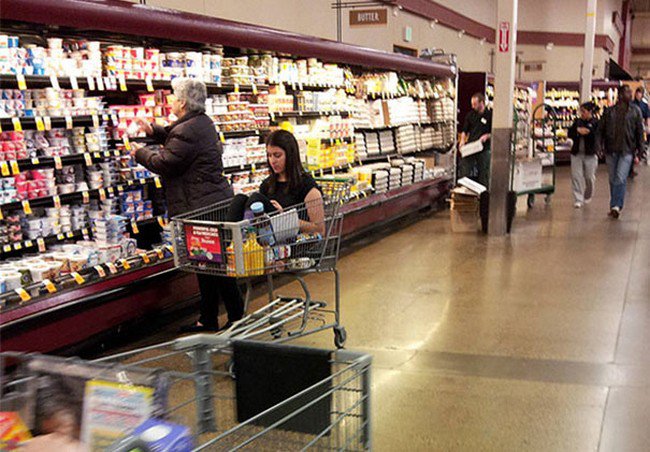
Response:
column 477, row 126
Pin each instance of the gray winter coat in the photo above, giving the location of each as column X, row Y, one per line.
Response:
column 189, row 163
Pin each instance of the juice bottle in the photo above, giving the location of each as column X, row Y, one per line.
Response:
column 254, row 256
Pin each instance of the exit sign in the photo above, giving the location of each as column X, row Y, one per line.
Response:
column 368, row 17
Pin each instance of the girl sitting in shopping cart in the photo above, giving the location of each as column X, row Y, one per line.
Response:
column 289, row 185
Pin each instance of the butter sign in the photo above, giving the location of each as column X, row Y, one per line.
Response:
column 368, row 17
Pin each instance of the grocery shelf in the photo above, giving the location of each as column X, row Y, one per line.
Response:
column 65, row 160
column 57, row 122
column 245, row 133
column 30, row 245
column 87, row 276
column 112, row 83
column 69, row 198
column 307, row 114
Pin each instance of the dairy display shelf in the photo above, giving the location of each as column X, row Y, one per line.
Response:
column 78, row 196
column 57, row 122
column 78, row 312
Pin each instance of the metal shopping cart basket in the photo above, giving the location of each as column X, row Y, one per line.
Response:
column 295, row 242
column 275, row 397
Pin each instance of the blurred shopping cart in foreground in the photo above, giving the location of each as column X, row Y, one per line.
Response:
column 232, row 395
column 295, row 242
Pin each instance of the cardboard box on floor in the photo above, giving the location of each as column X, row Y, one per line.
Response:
column 464, row 211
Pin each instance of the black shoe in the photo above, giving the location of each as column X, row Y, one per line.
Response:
column 196, row 328
column 615, row 212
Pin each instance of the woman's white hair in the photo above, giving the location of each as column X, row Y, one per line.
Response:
column 191, row 91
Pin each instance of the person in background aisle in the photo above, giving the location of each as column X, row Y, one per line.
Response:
column 477, row 126
column 621, row 130
column 640, row 102
column 189, row 162
column 584, row 155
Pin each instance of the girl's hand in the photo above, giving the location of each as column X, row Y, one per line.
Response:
column 277, row 205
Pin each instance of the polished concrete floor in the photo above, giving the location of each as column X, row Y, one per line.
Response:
column 537, row 341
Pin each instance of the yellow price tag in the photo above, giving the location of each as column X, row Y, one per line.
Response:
column 170, row 248
column 91, row 83
column 272, row 116
column 15, row 169
column 40, row 125
column 60, row 237
column 254, row 88
column 111, row 268
column 111, row 191
column 41, row 245
column 120, row 189
column 69, row 234
column 28, row 243
column 68, row 122
column 134, row 227
column 2, row 217
column 88, row 158
column 236, row 87
column 143, row 181
column 47, row 122
column 6, row 248
column 333, row 171
column 321, row 172
column 73, row 82
column 127, row 143
column 54, row 80
column 27, row 208
column 97, row 155
column 102, row 194
column 145, row 258
column 4, row 169
column 125, row 264
column 57, row 201
column 51, row 288
column 100, row 271
column 18, row 127
column 84, row 232
column 149, row 84
column 58, row 164
column 18, row 246
column 95, row 121
column 222, row 137
column 122, row 83
column 157, row 182
column 160, row 253
column 78, row 278
column 85, row 196
column 20, row 78
column 23, row 294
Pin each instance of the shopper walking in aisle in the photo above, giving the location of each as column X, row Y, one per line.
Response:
column 189, row 162
column 621, row 129
column 477, row 126
column 639, row 101
column 584, row 155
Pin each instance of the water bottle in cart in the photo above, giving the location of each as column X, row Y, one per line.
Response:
column 262, row 223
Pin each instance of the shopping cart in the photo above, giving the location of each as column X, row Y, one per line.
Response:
column 275, row 397
column 286, row 243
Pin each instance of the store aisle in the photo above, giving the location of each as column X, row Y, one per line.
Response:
column 536, row 341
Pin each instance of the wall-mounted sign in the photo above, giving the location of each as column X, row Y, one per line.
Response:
column 368, row 17
column 504, row 36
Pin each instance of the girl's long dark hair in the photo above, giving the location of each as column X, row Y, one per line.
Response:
column 293, row 166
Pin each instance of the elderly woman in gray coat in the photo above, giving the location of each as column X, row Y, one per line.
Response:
column 190, row 164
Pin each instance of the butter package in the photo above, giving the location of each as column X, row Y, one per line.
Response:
column 164, row 437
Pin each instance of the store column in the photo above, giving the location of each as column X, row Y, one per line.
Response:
column 504, row 83
column 588, row 58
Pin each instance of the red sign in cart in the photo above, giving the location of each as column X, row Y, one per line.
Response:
column 203, row 243
column 504, row 36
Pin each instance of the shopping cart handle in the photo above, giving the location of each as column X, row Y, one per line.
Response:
column 209, row 340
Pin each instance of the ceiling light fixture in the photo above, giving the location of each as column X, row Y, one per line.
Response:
column 482, row 41
column 550, row 46
column 461, row 33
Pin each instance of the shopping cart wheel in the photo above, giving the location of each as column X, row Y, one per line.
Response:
column 548, row 199
column 531, row 201
column 340, row 336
